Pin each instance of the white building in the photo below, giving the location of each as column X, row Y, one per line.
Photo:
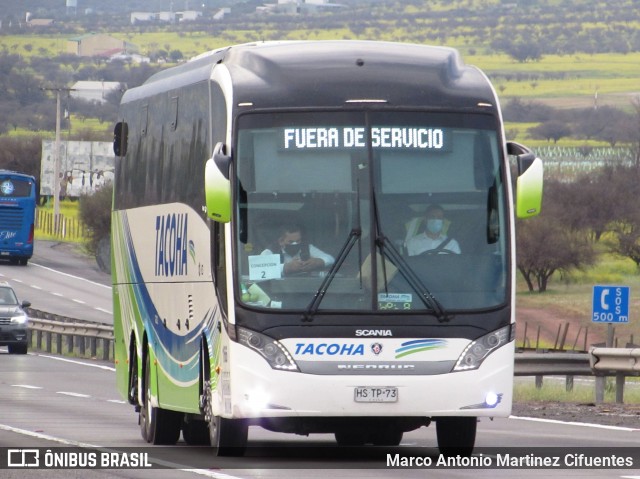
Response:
column 137, row 17
column 95, row 91
column 297, row 6
column 188, row 15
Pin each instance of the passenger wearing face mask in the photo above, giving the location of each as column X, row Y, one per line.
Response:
column 433, row 239
column 296, row 255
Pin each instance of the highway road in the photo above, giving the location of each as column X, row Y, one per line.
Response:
column 49, row 402
column 59, row 281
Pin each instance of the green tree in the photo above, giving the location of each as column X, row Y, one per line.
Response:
column 546, row 244
column 95, row 213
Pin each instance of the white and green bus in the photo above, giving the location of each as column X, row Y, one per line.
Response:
column 349, row 145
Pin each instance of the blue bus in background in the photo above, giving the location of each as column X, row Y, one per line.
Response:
column 17, row 216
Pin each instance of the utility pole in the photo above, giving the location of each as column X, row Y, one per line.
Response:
column 56, row 165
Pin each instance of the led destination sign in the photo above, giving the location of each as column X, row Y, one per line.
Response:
column 419, row 138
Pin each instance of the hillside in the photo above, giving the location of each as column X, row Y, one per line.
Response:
column 565, row 54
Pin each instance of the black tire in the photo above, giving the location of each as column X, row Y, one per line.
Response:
column 196, row 433
column 228, row 437
column 157, row 426
column 18, row 348
column 387, row 437
column 456, row 435
column 23, row 261
column 351, row 438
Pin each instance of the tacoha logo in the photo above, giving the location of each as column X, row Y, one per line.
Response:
column 418, row 345
column 332, row 349
column 172, row 245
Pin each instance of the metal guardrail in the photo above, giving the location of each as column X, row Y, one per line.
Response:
column 552, row 363
column 621, row 362
column 615, row 360
column 80, row 337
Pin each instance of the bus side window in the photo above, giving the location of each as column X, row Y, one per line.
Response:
column 120, row 138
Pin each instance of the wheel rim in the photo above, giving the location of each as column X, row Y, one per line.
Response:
column 214, row 426
column 145, row 411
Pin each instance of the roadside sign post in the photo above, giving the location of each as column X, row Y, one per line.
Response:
column 610, row 305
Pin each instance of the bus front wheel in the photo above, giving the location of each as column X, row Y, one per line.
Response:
column 157, row 426
column 456, row 435
column 228, row 437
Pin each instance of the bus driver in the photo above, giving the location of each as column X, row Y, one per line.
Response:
column 433, row 239
column 296, row 255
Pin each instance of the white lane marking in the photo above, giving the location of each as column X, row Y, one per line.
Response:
column 117, row 401
column 16, row 280
column 57, row 294
column 25, row 386
column 35, row 286
column 79, row 301
column 75, row 395
column 70, row 275
column 102, row 310
column 68, row 442
column 573, row 423
column 46, row 437
column 74, row 361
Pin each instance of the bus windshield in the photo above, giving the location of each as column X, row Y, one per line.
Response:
column 12, row 187
column 370, row 211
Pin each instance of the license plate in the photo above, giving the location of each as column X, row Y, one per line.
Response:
column 375, row 394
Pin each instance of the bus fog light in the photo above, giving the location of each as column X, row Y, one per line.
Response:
column 257, row 400
column 492, row 399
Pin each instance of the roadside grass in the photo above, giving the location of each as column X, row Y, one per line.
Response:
column 78, row 126
column 553, row 389
column 569, row 298
column 69, row 210
column 561, row 81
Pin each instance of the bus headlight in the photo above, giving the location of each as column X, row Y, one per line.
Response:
column 275, row 353
column 474, row 353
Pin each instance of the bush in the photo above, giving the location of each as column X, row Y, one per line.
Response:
column 95, row 213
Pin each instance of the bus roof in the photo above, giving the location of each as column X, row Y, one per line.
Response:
column 336, row 73
column 17, row 174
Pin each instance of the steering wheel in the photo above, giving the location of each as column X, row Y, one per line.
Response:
column 436, row 251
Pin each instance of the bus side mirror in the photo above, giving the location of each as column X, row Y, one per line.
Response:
column 120, row 138
column 217, row 187
column 529, row 182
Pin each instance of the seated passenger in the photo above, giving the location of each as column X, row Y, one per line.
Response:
column 296, row 255
column 432, row 240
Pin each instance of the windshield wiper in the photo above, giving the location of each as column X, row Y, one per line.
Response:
column 389, row 251
column 312, row 309
column 430, row 301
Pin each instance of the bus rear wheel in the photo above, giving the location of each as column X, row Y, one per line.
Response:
column 456, row 435
column 157, row 426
